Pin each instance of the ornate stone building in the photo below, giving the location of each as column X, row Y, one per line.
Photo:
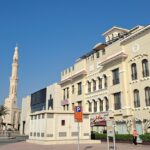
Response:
column 116, row 80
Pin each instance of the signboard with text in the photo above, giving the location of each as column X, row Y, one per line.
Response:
column 110, row 128
column 78, row 115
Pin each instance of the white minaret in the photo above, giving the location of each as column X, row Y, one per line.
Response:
column 14, row 76
column 12, row 118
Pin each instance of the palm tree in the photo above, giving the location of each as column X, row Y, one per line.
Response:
column 3, row 112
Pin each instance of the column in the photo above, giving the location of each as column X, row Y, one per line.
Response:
column 98, row 106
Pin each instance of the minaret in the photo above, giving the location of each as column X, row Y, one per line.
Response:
column 12, row 98
column 12, row 118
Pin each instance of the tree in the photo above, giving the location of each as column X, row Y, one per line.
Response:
column 3, row 112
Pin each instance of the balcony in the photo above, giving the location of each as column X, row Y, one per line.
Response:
column 120, row 55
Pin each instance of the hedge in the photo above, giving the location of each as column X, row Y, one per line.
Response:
column 119, row 137
column 145, row 137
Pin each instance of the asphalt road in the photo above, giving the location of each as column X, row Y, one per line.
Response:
column 28, row 146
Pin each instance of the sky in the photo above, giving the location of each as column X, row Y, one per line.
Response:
column 52, row 34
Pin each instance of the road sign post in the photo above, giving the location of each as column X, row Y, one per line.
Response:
column 111, row 133
column 78, row 118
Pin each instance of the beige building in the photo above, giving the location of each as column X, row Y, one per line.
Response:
column 12, row 120
column 44, row 120
column 110, row 82
column 115, row 81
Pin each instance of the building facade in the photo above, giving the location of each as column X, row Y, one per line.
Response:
column 116, row 80
column 45, row 120
column 112, row 81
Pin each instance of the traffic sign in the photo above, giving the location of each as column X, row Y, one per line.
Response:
column 78, row 114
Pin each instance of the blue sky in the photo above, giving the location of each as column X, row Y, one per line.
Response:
column 52, row 34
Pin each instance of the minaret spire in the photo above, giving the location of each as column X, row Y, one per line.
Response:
column 14, row 77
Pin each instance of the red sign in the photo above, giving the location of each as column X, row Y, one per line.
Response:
column 78, row 114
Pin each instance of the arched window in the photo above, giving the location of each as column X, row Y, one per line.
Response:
column 95, row 106
column 134, row 71
column 89, row 86
column 94, row 85
column 107, row 104
column 145, row 68
column 147, row 96
column 105, row 80
column 99, row 83
column 90, row 107
column 101, row 105
column 136, row 98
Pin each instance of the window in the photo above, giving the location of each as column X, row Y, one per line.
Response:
column 67, row 106
column 80, row 103
column 103, row 52
column 63, row 107
column 117, row 101
column 92, row 57
column 105, row 80
column 147, row 96
column 115, row 76
column 94, row 85
column 99, row 83
column 101, row 105
column 62, row 122
column 145, row 68
column 73, row 106
column 64, row 94
column 134, row 71
column 68, row 92
column 43, row 116
column 89, row 86
column 72, row 89
column 90, row 107
column 95, row 106
column 97, row 54
column 136, row 98
column 107, row 104
column 79, row 88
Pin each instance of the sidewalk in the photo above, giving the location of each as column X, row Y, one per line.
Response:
column 103, row 146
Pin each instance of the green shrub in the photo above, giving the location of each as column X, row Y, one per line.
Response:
column 119, row 137
column 145, row 137
column 124, row 137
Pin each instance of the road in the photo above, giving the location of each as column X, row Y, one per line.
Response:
column 28, row 146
